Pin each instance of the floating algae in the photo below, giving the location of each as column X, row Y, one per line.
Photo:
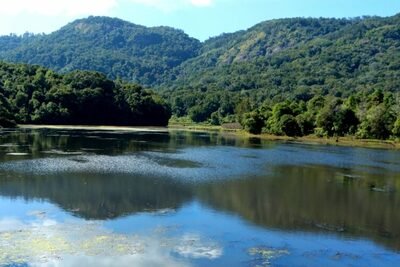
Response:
column 44, row 241
column 50, row 240
column 263, row 256
column 192, row 246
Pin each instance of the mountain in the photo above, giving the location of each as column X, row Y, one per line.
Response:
column 283, row 76
column 286, row 55
column 112, row 46
column 264, row 40
column 283, row 55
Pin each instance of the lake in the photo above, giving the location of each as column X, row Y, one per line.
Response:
column 178, row 198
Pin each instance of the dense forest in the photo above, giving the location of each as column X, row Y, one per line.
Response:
column 33, row 94
column 299, row 76
column 365, row 114
column 330, row 77
column 112, row 46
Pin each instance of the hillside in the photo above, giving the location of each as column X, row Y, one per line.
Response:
column 262, row 41
column 112, row 46
column 295, row 71
column 278, row 56
column 339, row 56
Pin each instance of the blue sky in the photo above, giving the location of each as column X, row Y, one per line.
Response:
column 198, row 18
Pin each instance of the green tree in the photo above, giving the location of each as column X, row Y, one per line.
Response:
column 243, row 107
column 289, row 126
column 335, row 119
column 253, row 122
column 396, row 128
column 378, row 123
column 32, row 94
column 306, row 123
column 274, row 124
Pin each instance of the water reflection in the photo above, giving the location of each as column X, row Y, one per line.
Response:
column 53, row 243
column 97, row 196
column 36, row 142
column 314, row 198
column 108, row 175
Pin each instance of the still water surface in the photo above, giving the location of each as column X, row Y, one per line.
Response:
column 119, row 198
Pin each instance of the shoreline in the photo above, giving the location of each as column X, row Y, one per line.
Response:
column 348, row 141
column 96, row 127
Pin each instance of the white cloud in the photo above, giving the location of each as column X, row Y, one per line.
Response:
column 44, row 242
column 56, row 8
column 192, row 246
column 171, row 5
column 202, row 2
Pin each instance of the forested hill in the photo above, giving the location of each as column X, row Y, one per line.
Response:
column 33, row 94
column 297, row 55
column 283, row 55
column 288, row 76
column 112, row 46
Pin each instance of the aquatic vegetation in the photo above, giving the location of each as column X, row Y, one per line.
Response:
column 44, row 240
column 182, row 199
column 264, row 256
column 191, row 246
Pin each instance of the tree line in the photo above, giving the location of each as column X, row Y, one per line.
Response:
column 372, row 114
column 33, row 94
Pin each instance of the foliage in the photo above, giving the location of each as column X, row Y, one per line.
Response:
column 396, row 128
column 378, row 123
column 112, row 46
column 289, row 126
column 253, row 122
column 336, row 119
column 298, row 58
column 330, row 77
column 327, row 116
column 32, row 94
column 300, row 76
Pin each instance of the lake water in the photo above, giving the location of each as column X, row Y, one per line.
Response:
column 120, row 198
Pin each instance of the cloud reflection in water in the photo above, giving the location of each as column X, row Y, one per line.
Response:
column 46, row 242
